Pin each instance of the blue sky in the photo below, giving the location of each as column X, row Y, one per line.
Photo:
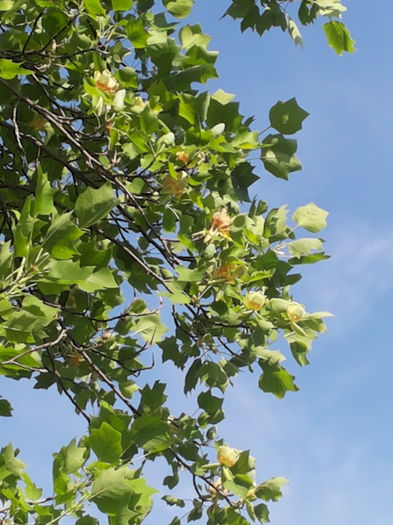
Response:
column 333, row 438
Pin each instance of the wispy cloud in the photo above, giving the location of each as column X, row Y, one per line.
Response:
column 334, row 474
column 359, row 273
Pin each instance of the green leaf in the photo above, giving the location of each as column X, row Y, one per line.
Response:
column 122, row 5
column 310, row 217
column 275, row 223
column 175, row 521
column 106, row 443
column 278, row 156
column 339, row 37
column 287, row 117
column 6, row 5
column 172, row 351
column 192, row 376
column 243, row 176
column 10, row 70
column 277, row 381
column 304, row 246
column 43, row 312
column 73, row 457
column 189, row 275
column 232, row 517
column 43, row 203
column 68, row 272
column 209, row 403
column 137, row 33
column 114, row 490
column 100, row 280
column 5, row 408
column 194, row 109
column 10, row 463
column 196, row 512
column 270, row 490
column 24, row 229
column 32, row 491
column 94, row 7
column 87, row 520
column 61, row 236
column 262, row 513
column 177, row 297
column 193, row 36
column 172, row 500
column 307, row 13
column 5, row 262
column 179, row 8
column 239, row 485
column 296, row 35
column 250, row 510
column 223, row 97
column 93, row 205
column 330, row 7
column 151, row 433
column 150, row 328
column 299, row 351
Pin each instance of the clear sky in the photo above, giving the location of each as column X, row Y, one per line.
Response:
column 333, row 438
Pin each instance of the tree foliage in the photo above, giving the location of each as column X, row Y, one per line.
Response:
column 128, row 236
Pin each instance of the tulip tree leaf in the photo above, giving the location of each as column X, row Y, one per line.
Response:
column 122, row 5
column 179, row 8
column 106, row 443
column 94, row 7
column 278, row 156
column 43, row 203
column 311, row 217
column 270, row 490
column 10, row 69
column 277, row 381
column 93, row 205
column 287, row 117
column 304, row 246
column 339, row 37
column 5, row 408
column 61, row 236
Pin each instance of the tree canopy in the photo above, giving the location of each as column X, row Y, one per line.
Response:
column 130, row 236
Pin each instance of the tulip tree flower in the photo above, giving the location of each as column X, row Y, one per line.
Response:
column 227, row 456
column 254, row 301
column 106, row 82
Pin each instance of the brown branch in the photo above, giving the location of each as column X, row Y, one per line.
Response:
column 135, row 258
column 59, row 378
column 35, row 348
column 111, row 385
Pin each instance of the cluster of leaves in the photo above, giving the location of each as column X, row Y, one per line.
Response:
column 262, row 15
column 121, row 185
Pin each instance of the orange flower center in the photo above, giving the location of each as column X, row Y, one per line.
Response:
column 173, row 186
column 183, row 156
column 221, row 221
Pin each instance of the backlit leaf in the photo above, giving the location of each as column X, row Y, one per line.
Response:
column 339, row 37
column 311, row 217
